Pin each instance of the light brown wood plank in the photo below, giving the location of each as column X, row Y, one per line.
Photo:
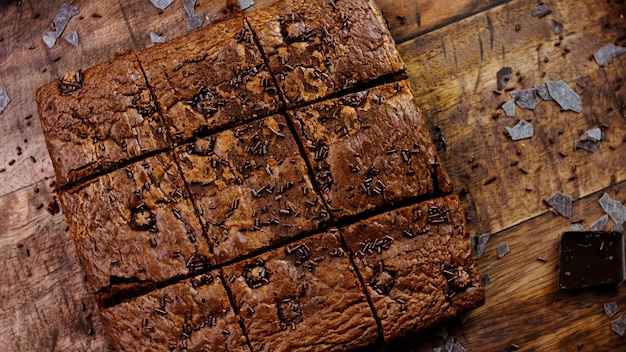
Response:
column 454, row 81
column 44, row 299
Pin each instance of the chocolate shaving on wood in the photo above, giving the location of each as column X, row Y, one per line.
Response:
column 485, row 279
column 541, row 10
column 479, row 243
column 4, row 99
column 521, row 130
column 72, row 38
column 156, row 39
column 503, row 249
column 590, row 140
column 542, row 91
column 509, row 108
column 564, row 95
column 244, row 4
column 610, row 309
column 195, row 22
column 161, row 4
column 526, row 99
column 600, row 224
column 557, row 27
column 619, row 325
column 503, row 76
column 59, row 23
column 562, row 203
column 605, row 54
column 614, row 209
column 580, row 81
column 576, row 227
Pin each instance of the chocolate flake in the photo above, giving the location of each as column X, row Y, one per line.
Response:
column 59, row 23
column 521, row 130
column 605, row 54
column 72, row 38
column 542, row 91
column 503, row 76
column 619, row 325
column 161, row 4
column 156, row 39
column 600, row 224
column 509, row 108
column 557, row 27
column 541, row 10
column 590, row 140
column 486, row 280
column 576, row 227
column 195, row 22
column 479, row 243
column 580, row 81
column 615, row 209
column 244, row 4
column 503, row 249
column 610, row 309
column 526, row 98
column 561, row 203
column 564, row 95
column 4, row 99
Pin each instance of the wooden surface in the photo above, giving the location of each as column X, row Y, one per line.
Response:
column 453, row 52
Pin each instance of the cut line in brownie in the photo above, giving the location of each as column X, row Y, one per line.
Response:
column 302, row 297
column 210, row 78
column 320, row 48
column 251, row 187
column 136, row 226
column 417, row 264
column 192, row 315
column 97, row 119
column 369, row 149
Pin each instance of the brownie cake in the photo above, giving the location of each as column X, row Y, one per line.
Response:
column 263, row 184
column 97, row 119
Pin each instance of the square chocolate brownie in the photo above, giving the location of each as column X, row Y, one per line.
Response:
column 319, row 48
column 210, row 78
column 370, row 148
column 94, row 120
column 136, row 226
column 302, row 297
column 417, row 264
column 251, row 187
column 192, row 315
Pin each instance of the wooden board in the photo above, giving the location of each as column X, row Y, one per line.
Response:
column 453, row 53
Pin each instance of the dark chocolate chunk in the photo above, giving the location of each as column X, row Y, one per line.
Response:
column 619, row 325
column 503, row 249
column 591, row 259
column 541, row 10
column 562, row 203
column 610, row 309
column 503, row 76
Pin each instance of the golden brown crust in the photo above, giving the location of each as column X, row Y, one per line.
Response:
column 95, row 120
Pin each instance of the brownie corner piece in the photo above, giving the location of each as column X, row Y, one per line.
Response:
column 417, row 264
column 194, row 314
column 320, row 48
column 135, row 227
column 302, row 297
column 96, row 119
column 251, row 187
column 210, row 78
column 370, row 148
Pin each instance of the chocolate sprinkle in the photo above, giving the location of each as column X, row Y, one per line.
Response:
column 610, row 309
column 561, row 203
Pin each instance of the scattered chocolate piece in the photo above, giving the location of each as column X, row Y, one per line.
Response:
column 59, row 23
column 486, row 280
column 619, row 325
column 503, row 249
column 189, row 8
column 244, row 4
column 509, row 108
column 479, row 243
column 161, row 4
column 503, row 76
column 156, row 39
column 590, row 140
column 72, row 38
column 526, row 99
column 442, row 332
column 520, row 131
column 576, row 227
column 615, row 209
column 542, row 91
column 580, row 81
column 564, row 95
column 600, row 224
column 557, row 27
column 541, row 10
column 605, row 54
column 194, row 21
column 610, row 309
column 4, row 99
column 562, row 203
column 591, row 259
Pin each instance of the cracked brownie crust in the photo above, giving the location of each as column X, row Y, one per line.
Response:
column 317, row 51
column 251, row 187
column 417, row 264
column 209, row 79
column 136, row 225
column 187, row 316
column 302, row 297
column 369, row 149
column 96, row 119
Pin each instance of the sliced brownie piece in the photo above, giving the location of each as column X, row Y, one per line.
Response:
column 210, row 78
column 370, row 148
column 192, row 315
column 303, row 297
column 417, row 264
column 318, row 48
column 251, row 187
column 136, row 226
column 95, row 120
